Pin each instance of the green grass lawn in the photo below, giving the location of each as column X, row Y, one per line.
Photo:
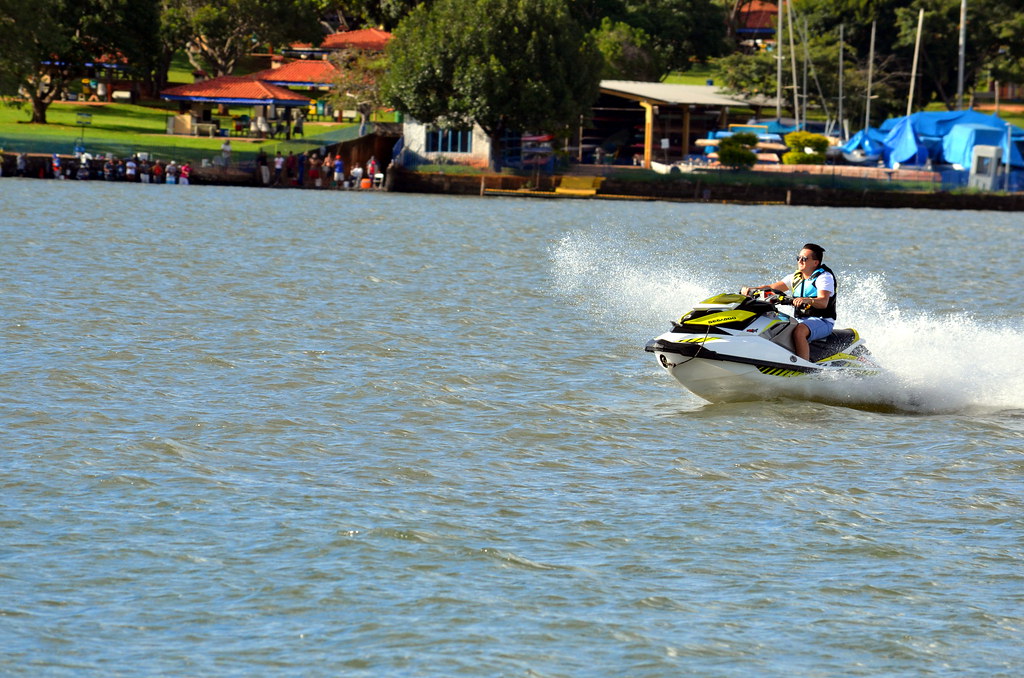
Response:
column 125, row 129
column 699, row 74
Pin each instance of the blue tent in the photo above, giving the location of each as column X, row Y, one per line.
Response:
column 958, row 145
column 917, row 138
column 903, row 146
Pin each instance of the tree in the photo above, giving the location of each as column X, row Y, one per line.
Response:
column 50, row 41
column 384, row 13
column 502, row 64
column 359, row 72
column 628, row 52
column 995, row 41
column 681, row 31
column 20, row 22
column 736, row 151
column 754, row 76
column 219, row 33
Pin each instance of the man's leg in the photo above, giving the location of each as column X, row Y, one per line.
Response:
column 800, row 345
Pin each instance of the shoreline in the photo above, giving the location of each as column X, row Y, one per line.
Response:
column 686, row 188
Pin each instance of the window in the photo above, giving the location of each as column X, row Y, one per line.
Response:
column 449, row 141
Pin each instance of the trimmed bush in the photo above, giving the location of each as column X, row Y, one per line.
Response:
column 737, row 152
column 806, row 148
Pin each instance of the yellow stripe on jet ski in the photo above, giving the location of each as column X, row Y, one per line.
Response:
column 721, row 318
column 697, row 340
column 776, row 372
column 839, row 356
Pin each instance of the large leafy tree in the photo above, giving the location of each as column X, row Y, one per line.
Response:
column 219, row 33
column 502, row 64
column 681, row 31
column 46, row 43
column 995, row 44
column 357, row 83
column 628, row 52
column 20, row 23
column 754, row 76
column 995, row 40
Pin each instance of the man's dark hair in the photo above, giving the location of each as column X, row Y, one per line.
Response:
column 819, row 251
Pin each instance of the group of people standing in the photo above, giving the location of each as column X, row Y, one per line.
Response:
column 314, row 170
column 85, row 167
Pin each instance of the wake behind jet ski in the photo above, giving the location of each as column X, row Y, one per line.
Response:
column 740, row 347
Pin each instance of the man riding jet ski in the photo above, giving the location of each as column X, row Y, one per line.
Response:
column 740, row 346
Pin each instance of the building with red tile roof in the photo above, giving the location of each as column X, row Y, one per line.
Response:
column 235, row 91
column 302, row 73
column 756, row 19
column 370, row 39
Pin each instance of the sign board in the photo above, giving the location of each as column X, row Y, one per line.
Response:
column 85, row 118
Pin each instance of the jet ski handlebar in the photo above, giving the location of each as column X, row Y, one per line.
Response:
column 771, row 296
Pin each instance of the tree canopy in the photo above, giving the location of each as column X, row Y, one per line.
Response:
column 218, row 33
column 48, row 42
column 502, row 64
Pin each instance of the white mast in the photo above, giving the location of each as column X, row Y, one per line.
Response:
column 842, row 129
column 778, row 63
column 913, row 72
column 871, row 72
column 963, row 46
column 792, row 57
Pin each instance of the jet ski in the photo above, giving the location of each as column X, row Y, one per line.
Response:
column 734, row 347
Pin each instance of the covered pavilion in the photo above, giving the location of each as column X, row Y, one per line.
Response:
column 198, row 99
column 675, row 112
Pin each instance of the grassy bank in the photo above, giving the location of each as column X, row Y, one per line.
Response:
column 125, row 129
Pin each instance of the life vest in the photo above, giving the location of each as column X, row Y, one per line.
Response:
column 804, row 287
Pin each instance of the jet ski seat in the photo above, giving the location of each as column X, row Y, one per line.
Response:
column 782, row 335
column 832, row 344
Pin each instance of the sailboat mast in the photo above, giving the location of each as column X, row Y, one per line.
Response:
column 842, row 128
column 871, row 73
column 792, row 57
column 963, row 46
column 913, row 72
column 778, row 62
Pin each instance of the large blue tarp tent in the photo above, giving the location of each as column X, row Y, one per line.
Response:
column 958, row 145
column 943, row 137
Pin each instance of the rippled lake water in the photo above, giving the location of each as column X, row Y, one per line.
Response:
column 269, row 432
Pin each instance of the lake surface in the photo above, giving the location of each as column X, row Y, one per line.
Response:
column 269, row 432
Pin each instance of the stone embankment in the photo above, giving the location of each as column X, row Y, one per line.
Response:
column 691, row 188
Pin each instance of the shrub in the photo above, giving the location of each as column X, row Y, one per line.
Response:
column 806, row 148
column 736, row 151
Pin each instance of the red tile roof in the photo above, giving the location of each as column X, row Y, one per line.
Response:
column 366, row 38
column 372, row 39
column 233, row 88
column 294, row 73
column 758, row 14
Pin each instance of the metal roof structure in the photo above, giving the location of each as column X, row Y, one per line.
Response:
column 666, row 94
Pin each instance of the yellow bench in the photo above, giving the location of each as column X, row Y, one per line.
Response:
column 579, row 185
